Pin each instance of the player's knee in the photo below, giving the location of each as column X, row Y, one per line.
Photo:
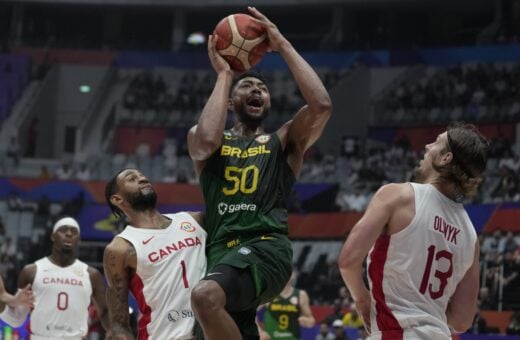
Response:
column 207, row 296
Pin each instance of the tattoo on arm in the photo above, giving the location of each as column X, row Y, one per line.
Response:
column 117, row 272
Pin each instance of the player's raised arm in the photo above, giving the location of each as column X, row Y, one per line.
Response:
column 205, row 137
column 306, row 319
column 117, row 270
column 362, row 237
column 99, row 297
column 308, row 123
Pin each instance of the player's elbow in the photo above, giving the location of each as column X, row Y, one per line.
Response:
column 461, row 321
column 347, row 260
column 205, row 148
column 307, row 321
column 323, row 105
column 460, row 326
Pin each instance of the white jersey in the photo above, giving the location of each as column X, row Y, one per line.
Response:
column 413, row 273
column 170, row 262
column 62, row 296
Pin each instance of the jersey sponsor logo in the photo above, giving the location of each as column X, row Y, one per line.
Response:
column 449, row 231
column 62, row 281
column 51, row 327
column 263, row 237
column 279, row 334
column 233, row 243
column 230, row 137
column 233, row 151
column 262, row 139
column 244, row 251
column 148, row 240
column 169, row 249
column 78, row 271
column 224, row 208
column 280, row 307
column 187, row 226
column 175, row 315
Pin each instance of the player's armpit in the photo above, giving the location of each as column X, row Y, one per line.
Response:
column 117, row 271
column 198, row 216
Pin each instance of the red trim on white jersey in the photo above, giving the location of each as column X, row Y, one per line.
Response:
column 136, row 287
column 386, row 321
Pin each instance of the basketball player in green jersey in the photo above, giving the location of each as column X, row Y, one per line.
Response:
column 246, row 176
column 286, row 313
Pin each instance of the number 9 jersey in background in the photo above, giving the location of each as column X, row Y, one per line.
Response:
column 414, row 272
column 281, row 317
column 62, row 296
column 246, row 183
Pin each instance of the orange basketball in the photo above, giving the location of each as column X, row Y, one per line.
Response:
column 241, row 41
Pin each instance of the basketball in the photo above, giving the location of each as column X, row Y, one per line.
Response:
column 241, row 41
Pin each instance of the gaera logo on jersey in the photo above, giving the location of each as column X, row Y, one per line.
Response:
column 233, row 208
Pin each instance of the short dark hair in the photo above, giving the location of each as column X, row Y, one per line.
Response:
column 470, row 151
column 110, row 189
column 248, row 74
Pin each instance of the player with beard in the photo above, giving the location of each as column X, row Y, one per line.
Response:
column 246, row 176
column 423, row 251
column 63, row 287
column 158, row 258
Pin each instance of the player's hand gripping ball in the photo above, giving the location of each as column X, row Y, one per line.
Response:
column 241, row 41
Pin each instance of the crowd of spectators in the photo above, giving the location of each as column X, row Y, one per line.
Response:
column 360, row 175
column 500, row 267
column 152, row 98
column 478, row 92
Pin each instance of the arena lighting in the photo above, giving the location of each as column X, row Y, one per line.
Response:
column 84, row 88
column 196, row 38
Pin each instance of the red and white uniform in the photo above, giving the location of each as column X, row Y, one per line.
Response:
column 170, row 262
column 62, row 296
column 414, row 272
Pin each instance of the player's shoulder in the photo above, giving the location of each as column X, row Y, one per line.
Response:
column 193, row 129
column 29, row 268
column 118, row 246
column 27, row 274
column 395, row 194
column 197, row 216
column 93, row 273
column 302, row 294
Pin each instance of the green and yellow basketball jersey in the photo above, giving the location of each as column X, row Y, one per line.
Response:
column 245, row 186
column 281, row 317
